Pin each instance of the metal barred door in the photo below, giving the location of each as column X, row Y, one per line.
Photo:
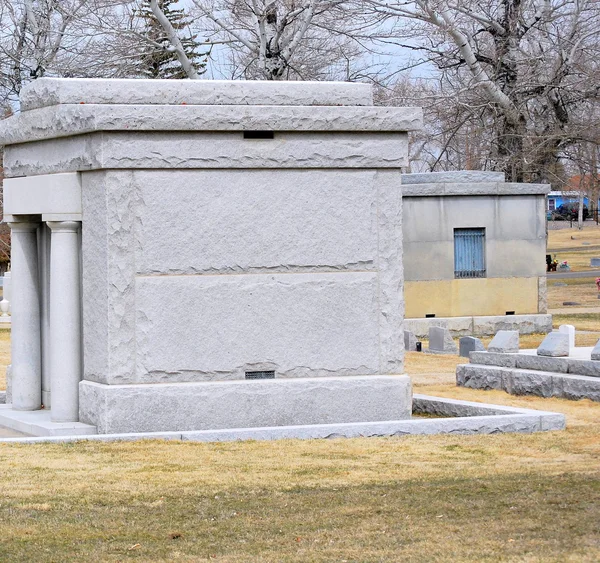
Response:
column 469, row 253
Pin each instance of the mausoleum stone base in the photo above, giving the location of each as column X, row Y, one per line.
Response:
column 481, row 326
column 165, row 407
column 437, row 416
column 39, row 423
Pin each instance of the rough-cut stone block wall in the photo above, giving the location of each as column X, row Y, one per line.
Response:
column 196, row 275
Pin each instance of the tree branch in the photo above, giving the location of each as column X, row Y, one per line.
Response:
column 186, row 64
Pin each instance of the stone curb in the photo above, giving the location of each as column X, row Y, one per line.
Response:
column 571, row 366
column 528, row 382
column 464, row 417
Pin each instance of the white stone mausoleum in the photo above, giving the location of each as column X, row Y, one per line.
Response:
column 193, row 255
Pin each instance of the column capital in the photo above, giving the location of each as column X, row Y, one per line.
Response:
column 64, row 226
column 24, row 226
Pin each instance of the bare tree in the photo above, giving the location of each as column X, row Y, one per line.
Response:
column 285, row 39
column 83, row 38
column 56, row 37
column 174, row 44
column 527, row 68
column 581, row 165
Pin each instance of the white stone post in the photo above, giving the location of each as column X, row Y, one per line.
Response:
column 5, row 303
column 65, row 321
column 569, row 330
column 25, row 335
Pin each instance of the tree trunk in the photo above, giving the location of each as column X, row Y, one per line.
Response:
column 510, row 139
column 511, row 136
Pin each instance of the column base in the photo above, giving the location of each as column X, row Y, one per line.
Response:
column 38, row 423
column 217, row 405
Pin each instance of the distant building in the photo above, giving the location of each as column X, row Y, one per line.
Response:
column 556, row 199
column 474, row 253
column 570, row 194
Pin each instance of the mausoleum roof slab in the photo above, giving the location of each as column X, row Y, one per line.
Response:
column 69, row 119
column 54, row 91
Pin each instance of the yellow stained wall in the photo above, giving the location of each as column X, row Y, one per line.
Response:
column 471, row 297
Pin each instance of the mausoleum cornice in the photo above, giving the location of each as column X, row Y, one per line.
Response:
column 54, row 108
column 68, row 120
column 473, row 189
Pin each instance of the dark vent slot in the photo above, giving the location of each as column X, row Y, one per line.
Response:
column 259, row 134
column 430, row 316
column 510, row 312
column 260, row 375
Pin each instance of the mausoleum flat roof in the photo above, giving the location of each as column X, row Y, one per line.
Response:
column 56, row 108
column 53, row 91
column 453, row 176
column 472, row 189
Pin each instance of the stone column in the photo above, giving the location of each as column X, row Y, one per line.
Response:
column 65, row 321
column 25, row 336
column 44, row 270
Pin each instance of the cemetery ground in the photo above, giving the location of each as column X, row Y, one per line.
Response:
column 574, row 246
column 506, row 497
column 577, row 248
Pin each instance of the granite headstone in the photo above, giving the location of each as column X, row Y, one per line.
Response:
column 556, row 344
column 505, row 341
column 596, row 351
column 440, row 341
column 469, row 344
column 569, row 330
column 410, row 341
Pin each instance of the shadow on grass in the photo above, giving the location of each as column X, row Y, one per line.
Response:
column 509, row 517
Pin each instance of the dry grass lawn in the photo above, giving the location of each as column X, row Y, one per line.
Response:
column 581, row 321
column 579, row 260
column 419, row 499
column 478, row 498
column 572, row 238
column 576, row 247
column 578, row 290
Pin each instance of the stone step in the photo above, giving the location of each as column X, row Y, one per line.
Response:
column 572, row 366
column 528, row 382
